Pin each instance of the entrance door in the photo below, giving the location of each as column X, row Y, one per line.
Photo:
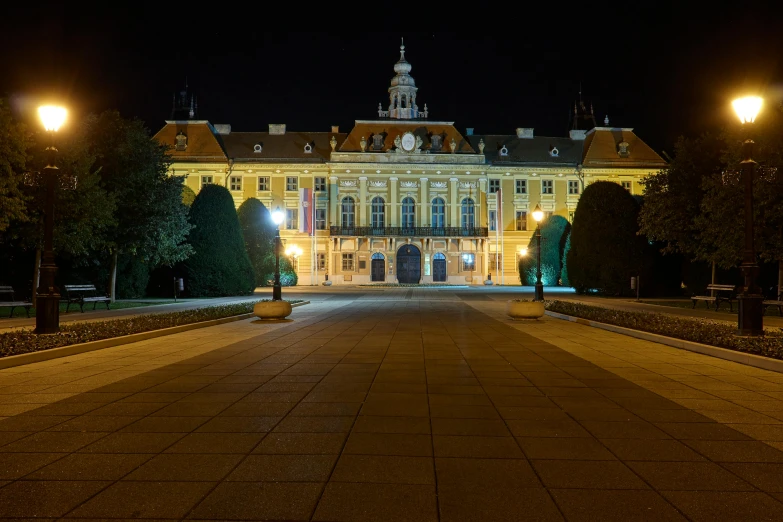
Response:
column 439, row 268
column 408, row 265
column 378, row 268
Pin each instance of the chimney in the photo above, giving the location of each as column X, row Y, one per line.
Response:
column 277, row 128
column 524, row 133
column 223, row 128
column 336, row 129
column 469, row 131
column 577, row 135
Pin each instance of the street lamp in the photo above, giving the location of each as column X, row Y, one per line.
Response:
column 293, row 251
column 47, row 301
column 538, row 215
column 468, row 258
column 751, row 313
column 277, row 218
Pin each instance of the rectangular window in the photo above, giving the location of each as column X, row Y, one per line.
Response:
column 547, row 186
column 495, row 262
column 493, row 220
column 347, row 262
column 206, row 180
column 320, row 219
column 521, row 220
column 573, row 186
column 292, row 183
column 494, row 185
column 320, row 185
column 627, row 185
column 236, row 182
column 263, row 183
column 468, row 262
column 571, row 216
column 291, row 218
column 521, row 186
column 321, row 262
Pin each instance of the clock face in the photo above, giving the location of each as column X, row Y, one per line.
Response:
column 408, row 141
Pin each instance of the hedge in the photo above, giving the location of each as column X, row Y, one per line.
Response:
column 25, row 341
column 704, row 331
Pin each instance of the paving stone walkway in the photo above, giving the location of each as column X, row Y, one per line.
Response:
column 392, row 409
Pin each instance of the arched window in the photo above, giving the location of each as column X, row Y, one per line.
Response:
column 378, row 255
column 348, row 212
column 467, row 213
column 378, row 215
column 438, row 213
column 438, row 256
column 408, row 213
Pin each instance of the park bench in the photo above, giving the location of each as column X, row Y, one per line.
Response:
column 722, row 293
column 774, row 302
column 81, row 294
column 7, row 293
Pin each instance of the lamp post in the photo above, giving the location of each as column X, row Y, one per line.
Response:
column 538, row 215
column 277, row 218
column 751, row 313
column 468, row 258
column 47, row 301
column 293, row 251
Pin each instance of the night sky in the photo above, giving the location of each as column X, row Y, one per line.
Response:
column 663, row 71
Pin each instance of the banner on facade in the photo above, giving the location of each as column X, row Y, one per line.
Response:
column 306, row 210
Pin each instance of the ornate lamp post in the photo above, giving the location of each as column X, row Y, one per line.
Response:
column 293, row 251
column 751, row 313
column 47, row 301
column 277, row 218
column 538, row 215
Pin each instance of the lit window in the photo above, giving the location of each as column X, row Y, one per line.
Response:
column 627, row 185
column 348, row 212
column 291, row 183
column 347, row 262
column 571, row 216
column 493, row 220
column 291, row 218
column 438, row 213
column 320, row 184
column 408, row 213
column 521, row 220
column 206, row 180
column 468, row 262
column 378, row 215
column 321, row 262
column 494, row 185
column 547, row 186
column 263, row 183
column 236, row 183
column 521, row 186
column 573, row 186
column 320, row 219
column 468, row 213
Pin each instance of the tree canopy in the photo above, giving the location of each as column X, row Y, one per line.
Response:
column 15, row 140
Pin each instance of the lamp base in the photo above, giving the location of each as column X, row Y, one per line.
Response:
column 47, row 313
column 539, row 295
column 751, row 315
column 277, row 293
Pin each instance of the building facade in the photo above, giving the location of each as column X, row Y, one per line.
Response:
column 402, row 197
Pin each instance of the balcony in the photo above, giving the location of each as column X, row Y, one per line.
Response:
column 410, row 231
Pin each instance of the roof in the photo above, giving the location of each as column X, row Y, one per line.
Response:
column 274, row 147
column 203, row 143
column 602, row 149
column 536, row 151
column 392, row 128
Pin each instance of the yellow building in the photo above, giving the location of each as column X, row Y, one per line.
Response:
column 405, row 198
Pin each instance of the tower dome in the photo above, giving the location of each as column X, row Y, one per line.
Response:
column 402, row 92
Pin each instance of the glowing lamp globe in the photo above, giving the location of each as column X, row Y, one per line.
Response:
column 52, row 117
column 538, row 214
column 277, row 216
column 747, row 108
column 523, row 251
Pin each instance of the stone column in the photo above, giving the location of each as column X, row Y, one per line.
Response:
column 394, row 204
column 481, row 202
column 424, row 218
column 333, row 201
column 363, row 201
column 454, row 210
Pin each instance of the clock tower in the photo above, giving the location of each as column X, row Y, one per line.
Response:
column 402, row 93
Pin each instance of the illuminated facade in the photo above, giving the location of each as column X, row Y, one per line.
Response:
column 403, row 197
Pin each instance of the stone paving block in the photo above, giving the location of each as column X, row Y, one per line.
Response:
column 736, row 450
column 186, row 467
column 389, row 444
column 476, row 447
column 32, row 422
column 491, row 473
column 572, row 449
column 302, row 443
column 569, row 474
column 349, row 502
column 77, row 466
column 460, row 503
column 701, row 431
column 315, row 424
column 589, row 505
column 33, row 499
column 96, row 423
column 48, row 441
column 651, row 450
column 10, row 436
column 459, row 426
column 133, row 443
column 380, row 424
column 129, row 409
column 688, row 476
column 258, row 409
column 284, row 468
column 192, row 409
column 725, row 505
column 766, row 476
column 242, row 443
column 384, row 469
column 166, row 424
column 459, row 400
column 555, row 428
column 328, row 409
column 533, row 413
column 17, row 465
column 624, row 430
column 225, row 424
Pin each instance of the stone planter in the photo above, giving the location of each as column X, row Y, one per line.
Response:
column 525, row 309
column 488, row 282
column 327, row 283
column 272, row 309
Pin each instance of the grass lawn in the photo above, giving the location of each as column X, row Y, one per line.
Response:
column 117, row 305
column 700, row 305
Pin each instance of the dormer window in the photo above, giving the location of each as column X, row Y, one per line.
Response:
column 437, row 142
column 503, row 151
column 257, row 148
column 377, row 142
column 308, row 149
column 554, row 152
column 622, row 149
column 181, row 141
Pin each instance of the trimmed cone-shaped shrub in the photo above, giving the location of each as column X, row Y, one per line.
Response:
column 564, row 272
column 554, row 231
column 258, row 231
column 220, row 265
column 605, row 248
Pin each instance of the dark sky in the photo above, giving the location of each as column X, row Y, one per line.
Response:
column 664, row 70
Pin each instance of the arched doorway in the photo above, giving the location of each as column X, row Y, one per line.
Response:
column 408, row 264
column 378, row 267
column 439, row 268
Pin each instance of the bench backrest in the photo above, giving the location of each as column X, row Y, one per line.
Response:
column 80, row 288
column 720, row 287
column 7, row 290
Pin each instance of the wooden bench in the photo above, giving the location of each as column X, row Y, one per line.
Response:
column 774, row 302
column 7, row 292
column 723, row 293
column 81, row 294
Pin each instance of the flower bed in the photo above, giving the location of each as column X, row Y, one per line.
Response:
column 705, row 331
column 25, row 341
column 412, row 285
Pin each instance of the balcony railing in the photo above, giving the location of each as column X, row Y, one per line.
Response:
column 410, row 231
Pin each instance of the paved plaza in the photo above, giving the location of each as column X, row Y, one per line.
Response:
column 392, row 405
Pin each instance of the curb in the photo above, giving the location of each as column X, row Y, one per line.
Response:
column 75, row 349
column 748, row 359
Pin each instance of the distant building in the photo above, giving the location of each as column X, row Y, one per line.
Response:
column 403, row 197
